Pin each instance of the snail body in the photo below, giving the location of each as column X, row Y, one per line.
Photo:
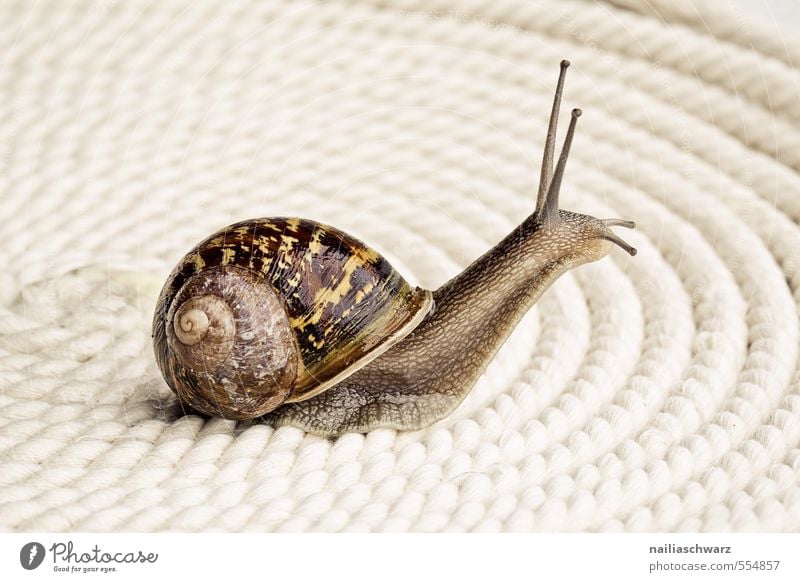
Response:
column 305, row 325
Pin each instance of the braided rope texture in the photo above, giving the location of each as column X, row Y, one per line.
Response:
column 654, row 393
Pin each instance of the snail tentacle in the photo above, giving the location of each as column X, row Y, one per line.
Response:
column 548, row 157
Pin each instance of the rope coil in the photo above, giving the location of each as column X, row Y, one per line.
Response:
column 660, row 392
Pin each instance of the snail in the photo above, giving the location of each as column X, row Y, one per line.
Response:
column 302, row 324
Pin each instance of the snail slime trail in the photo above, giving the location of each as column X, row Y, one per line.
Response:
column 302, row 324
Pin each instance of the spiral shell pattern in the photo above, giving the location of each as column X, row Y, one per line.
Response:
column 225, row 346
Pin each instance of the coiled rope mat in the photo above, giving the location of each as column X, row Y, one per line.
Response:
column 659, row 392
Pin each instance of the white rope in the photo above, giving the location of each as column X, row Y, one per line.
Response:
column 660, row 392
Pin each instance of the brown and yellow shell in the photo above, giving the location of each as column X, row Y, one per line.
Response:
column 276, row 310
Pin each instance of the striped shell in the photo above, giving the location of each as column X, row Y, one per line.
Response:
column 277, row 310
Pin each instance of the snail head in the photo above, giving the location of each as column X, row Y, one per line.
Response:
column 579, row 237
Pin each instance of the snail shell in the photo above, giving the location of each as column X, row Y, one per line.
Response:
column 277, row 310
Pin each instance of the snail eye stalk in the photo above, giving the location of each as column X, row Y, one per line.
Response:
column 549, row 213
column 550, row 141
